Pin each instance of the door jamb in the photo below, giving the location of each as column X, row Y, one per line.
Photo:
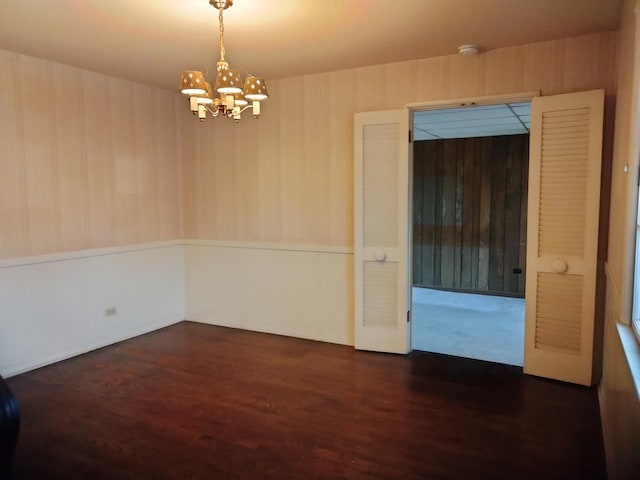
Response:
column 445, row 105
column 472, row 101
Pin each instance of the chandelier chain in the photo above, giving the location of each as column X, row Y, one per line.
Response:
column 221, row 19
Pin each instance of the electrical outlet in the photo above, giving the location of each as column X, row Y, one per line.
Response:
column 110, row 312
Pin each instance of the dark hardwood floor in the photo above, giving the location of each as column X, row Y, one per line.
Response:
column 194, row 401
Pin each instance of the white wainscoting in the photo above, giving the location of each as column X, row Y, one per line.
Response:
column 299, row 291
column 54, row 306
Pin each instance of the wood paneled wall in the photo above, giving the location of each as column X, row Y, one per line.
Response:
column 470, row 213
column 86, row 160
column 288, row 177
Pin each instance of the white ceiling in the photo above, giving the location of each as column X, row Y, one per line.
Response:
column 468, row 122
column 153, row 41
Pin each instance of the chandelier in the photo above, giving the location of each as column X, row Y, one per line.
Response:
column 231, row 97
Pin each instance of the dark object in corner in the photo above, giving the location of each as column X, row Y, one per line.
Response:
column 9, row 428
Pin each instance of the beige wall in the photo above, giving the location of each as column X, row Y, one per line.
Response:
column 625, row 147
column 620, row 390
column 86, row 160
column 287, row 178
column 91, row 161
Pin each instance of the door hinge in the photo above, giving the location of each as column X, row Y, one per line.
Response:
column 410, row 139
column 408, row 316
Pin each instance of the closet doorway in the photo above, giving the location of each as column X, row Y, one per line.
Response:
column 470, row 178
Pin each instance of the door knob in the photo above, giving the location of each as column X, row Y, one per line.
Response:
column 380, row 256
column 559, row 266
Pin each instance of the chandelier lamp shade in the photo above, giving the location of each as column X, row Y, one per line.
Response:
column 230, row 96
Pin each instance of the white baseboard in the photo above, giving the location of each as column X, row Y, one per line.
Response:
column 33, row 363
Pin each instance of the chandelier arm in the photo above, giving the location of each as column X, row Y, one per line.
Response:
column 210, row 110
column 246, row 108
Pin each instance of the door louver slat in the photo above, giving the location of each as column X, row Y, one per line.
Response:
column 380, row 294
column 563, row 189
column 380, row 187
column 559, row 313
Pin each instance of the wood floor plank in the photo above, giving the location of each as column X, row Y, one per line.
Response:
column 195, row 401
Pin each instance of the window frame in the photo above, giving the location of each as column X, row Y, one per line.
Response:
column 635, row 307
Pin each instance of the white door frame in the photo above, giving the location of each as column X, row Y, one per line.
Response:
column 472, row 101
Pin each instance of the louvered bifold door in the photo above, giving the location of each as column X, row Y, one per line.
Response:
column 562, row 239
column 381, row 196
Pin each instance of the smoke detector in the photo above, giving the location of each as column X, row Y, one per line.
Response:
column 468, row 49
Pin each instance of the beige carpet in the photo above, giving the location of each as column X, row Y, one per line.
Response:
column 467, row 325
